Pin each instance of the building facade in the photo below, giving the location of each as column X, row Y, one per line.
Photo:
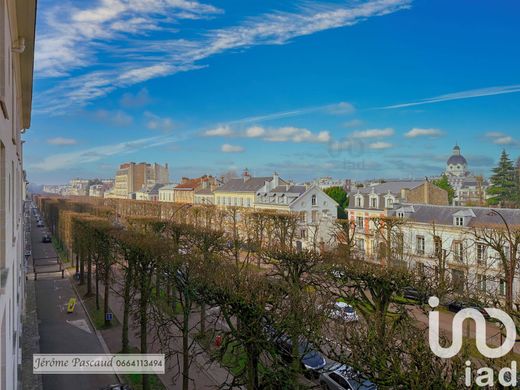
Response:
column 17, row 29
column 167, row 193
column 242, row 192
column 185, row 191
column 379, row 200
column 317, row 211
column 457, row 237
column 469, row 189
column 132, row 177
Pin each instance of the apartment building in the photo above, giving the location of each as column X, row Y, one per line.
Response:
column 185, row 191
column 132, row 177
column 17, row 29
column 317, row 211
column 379, row 199
column 167, row 193
column 458, row 236
column 242, row 191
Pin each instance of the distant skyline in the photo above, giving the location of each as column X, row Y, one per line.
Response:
column 349, row 89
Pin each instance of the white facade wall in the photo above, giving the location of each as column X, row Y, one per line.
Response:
column 16, row 20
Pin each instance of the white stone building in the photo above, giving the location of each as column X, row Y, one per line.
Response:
column 318, row 211
column 17, row 29
column 167, row 193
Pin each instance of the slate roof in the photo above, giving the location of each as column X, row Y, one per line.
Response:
column 204, row 191
column 291, row 190
column 252, row 184
column 169, row 186
column 393, row 186
column 443, row 215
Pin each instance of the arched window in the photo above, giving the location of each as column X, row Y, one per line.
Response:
column 313, row 200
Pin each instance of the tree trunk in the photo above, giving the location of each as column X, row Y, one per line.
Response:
column 143, row 306
column 107, row 290
column 186, row 345
column 202, row 318
column 126, row 307
column 97, row 288
column 252, row 367
column 89, row 274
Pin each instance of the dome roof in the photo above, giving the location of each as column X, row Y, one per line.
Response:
column 454, row 160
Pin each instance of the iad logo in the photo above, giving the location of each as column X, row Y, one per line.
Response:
column 480, row 325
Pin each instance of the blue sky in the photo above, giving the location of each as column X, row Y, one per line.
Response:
column 350, row 89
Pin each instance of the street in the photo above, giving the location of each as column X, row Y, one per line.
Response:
column 61, row 332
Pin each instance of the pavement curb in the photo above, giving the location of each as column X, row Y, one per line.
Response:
column 96, row 332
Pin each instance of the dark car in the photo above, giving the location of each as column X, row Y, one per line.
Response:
column 414, row 295
column 40, row 224
column 312, row 360
column 46, row 238
column 456, row 306
column 345, row 378
column 116, row 387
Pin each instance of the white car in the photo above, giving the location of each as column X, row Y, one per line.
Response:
column 343, row 311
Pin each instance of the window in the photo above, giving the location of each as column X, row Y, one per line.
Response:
column 481, row 254
column 419, row 242
column 389, row 203
column 313, row 200
column 502, row 287
column 360, row 243
column 459, row 221
column 314, row 216
column 303, row 217
column 359, row 222
column 339, row 380
column 400, row 215
column 458, row 251
column 481, row 282
column 359, row 200
column 303, row 233
column 373, row 202
column 437, row 242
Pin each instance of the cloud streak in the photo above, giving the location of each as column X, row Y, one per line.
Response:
column 468, row 94
column 72, row 40
column 67, row 160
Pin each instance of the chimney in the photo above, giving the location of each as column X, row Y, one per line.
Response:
column 275, row 180
column 246, row 175
column 426, row 192
column 404, row 194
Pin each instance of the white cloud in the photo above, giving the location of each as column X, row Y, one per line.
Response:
column 499, row 138
column 60, row 161
column 295, row 134
column 141, row 98
column 353, row 123
column 117, row 118
column 468, row 94
column 373, row 133
column 154, row 122
column 342, row 108
column 255, row 131
column 62, row 141
column 71, row 38
column 380, row 145
column 219, row 131
column 417, row 132
column 227, row 148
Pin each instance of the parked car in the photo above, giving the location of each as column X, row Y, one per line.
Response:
column 456, row 306
column 345, row 378
column 40, row 223
column 311, row 360
column 414, row 295
column 46, row 238
column 343, row 311
column 116, row 387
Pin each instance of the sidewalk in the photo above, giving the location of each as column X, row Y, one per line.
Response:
column 204, row 374
column 59, row 331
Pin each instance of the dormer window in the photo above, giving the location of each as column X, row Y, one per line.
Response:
column 359, row 200
column 459, row 221
column 313, row 200
column 400, row 214
column 389, row 202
